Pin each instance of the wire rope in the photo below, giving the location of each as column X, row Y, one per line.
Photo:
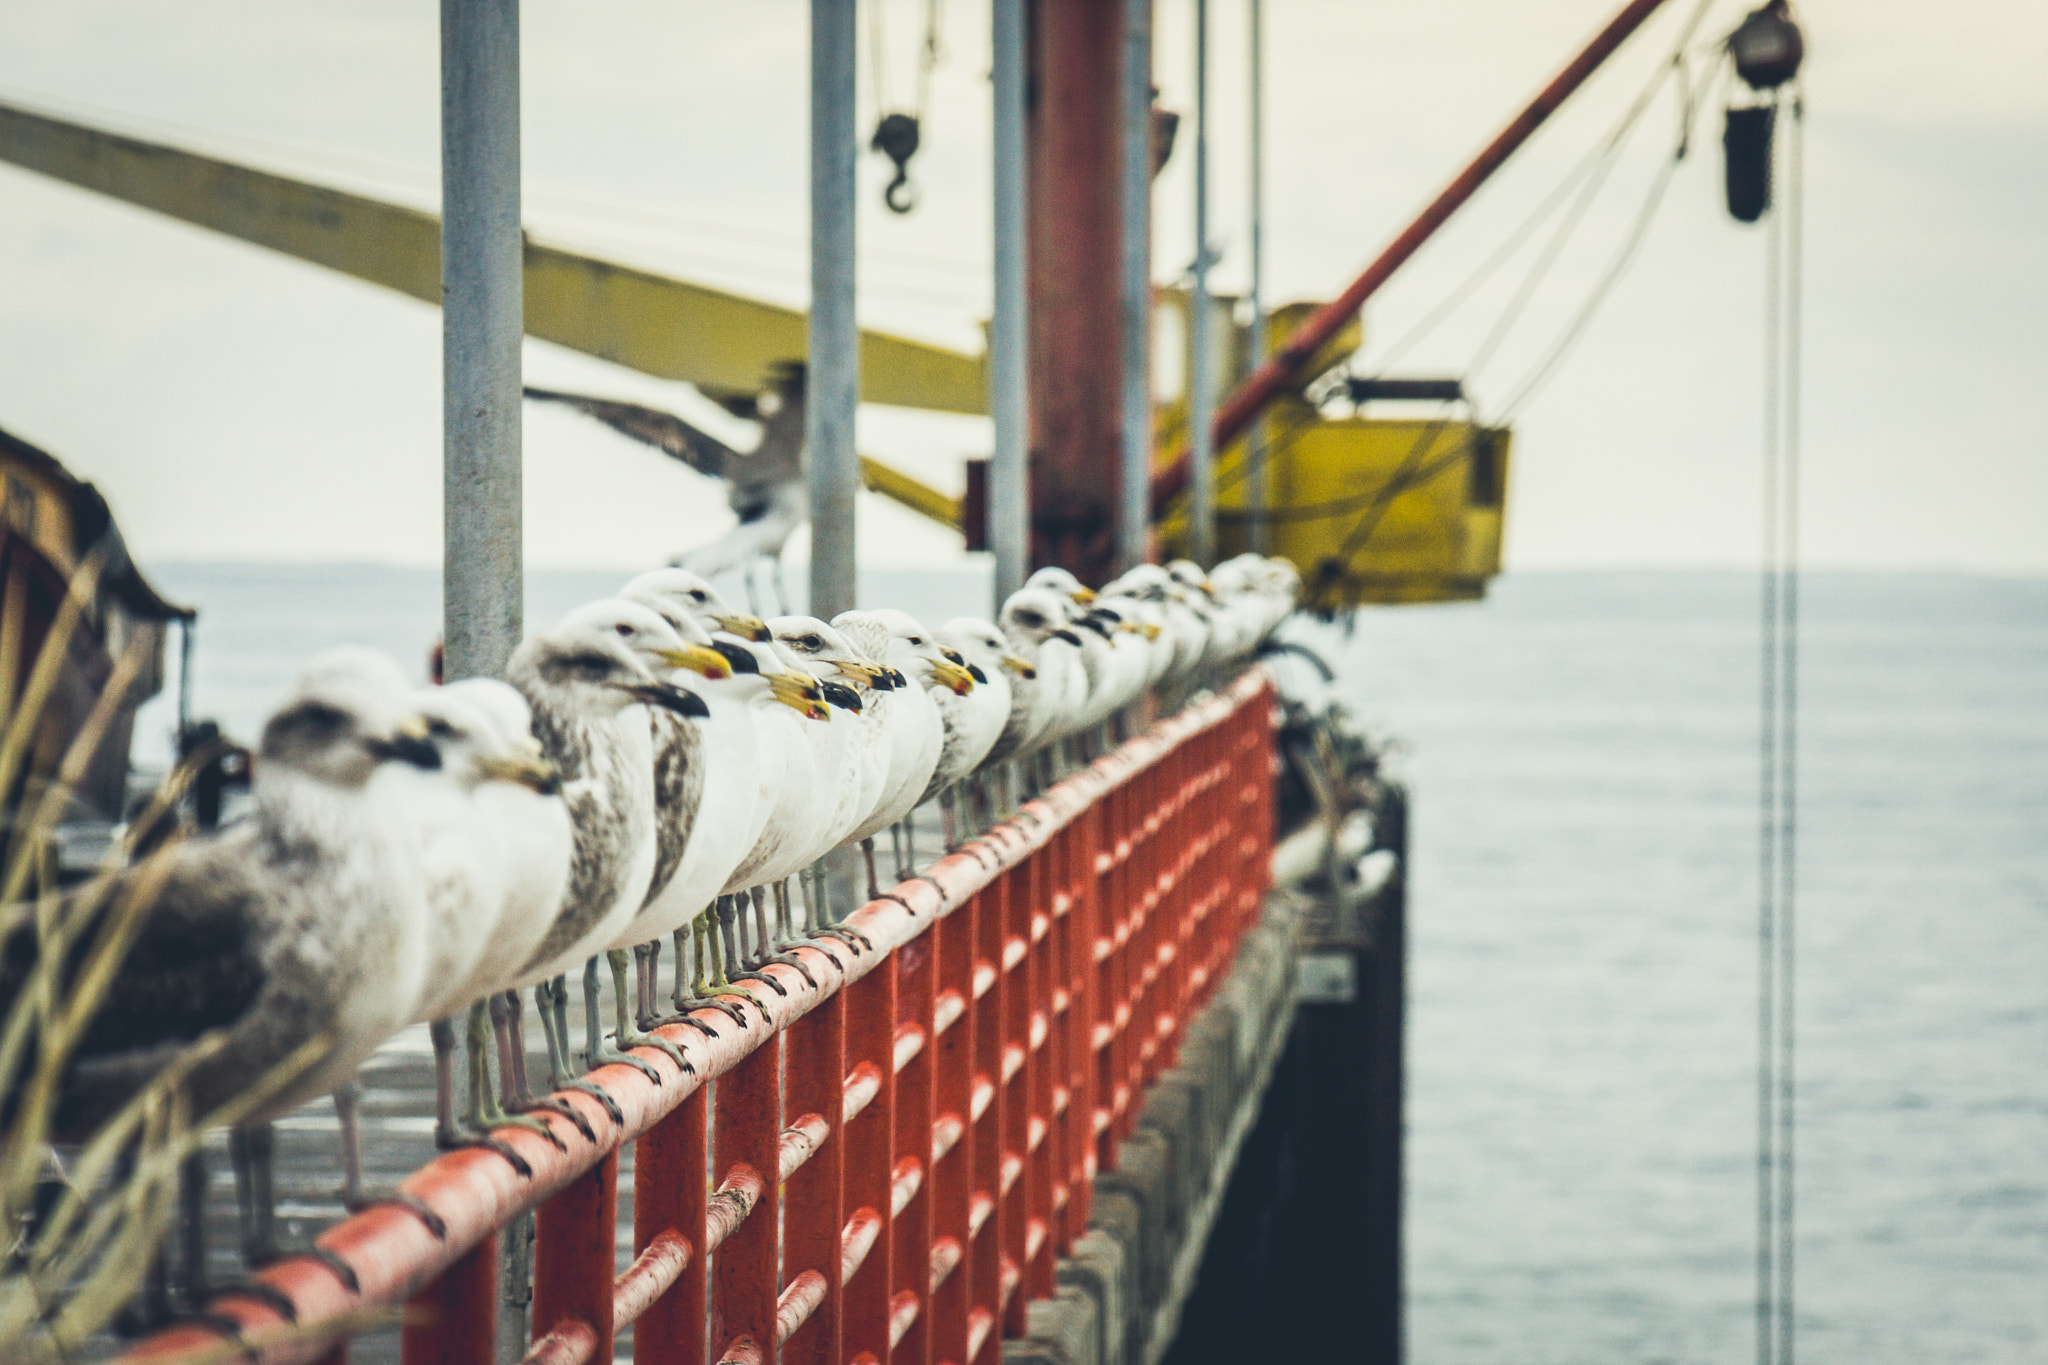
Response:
column 1777, row 784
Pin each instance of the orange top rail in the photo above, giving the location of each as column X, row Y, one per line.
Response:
column 882, row 1168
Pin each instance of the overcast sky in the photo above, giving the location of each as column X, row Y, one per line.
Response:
column 236, row 404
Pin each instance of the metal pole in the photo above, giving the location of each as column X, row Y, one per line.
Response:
column 482, row 274
column 1201, row 366
column 1278, row 371
column 1009, row 498
column 832, row 388
column 1134, row 503
column 1257, row 495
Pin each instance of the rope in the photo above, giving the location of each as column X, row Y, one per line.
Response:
column 1777, row 784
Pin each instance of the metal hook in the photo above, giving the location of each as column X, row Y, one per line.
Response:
column 896, row 137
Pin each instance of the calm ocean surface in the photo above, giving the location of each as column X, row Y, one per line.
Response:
column 1582, row 751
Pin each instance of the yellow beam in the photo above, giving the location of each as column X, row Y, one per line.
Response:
column 647, row 322
column 919, row 497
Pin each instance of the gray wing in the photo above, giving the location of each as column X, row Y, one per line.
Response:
column 665, row 431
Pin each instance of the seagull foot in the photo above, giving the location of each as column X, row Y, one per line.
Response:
column 600, row 1094
column 852, row 938
column 761, row 977
column 526, row 1104
column 451, row 1139
column 792, row 960
column 496, row 1119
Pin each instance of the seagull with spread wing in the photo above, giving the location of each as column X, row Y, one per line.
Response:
column 765, row 486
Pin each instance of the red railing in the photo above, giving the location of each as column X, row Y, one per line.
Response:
column 884, row 1166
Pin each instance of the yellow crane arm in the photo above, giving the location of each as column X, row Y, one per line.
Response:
column 660, row 326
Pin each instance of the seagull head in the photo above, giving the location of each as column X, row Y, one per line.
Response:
column 594, row 670
column 807, row 642
column 984, row 646
column 662, row 646
column 471, row 739
column 348, row 713
column 913, row 648
column 1033, row 616
column 1062, row 582
column 675, row 592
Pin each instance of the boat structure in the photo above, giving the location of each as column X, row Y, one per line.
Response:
column 1087, row 1048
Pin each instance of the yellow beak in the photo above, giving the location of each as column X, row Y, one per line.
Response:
column 1144, row 628
column 952, row 675
column 414, row 727
column 1019, row 667
column 527, row 771
column 798, row 693
column 746, row 627
column 1083, row 595
column 698, row 659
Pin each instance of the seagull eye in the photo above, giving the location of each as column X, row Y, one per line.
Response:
column 813, row 642
column 624, row 631
column 696, row 594
column 1031, row 618
column 916, row 642
column 441, row 729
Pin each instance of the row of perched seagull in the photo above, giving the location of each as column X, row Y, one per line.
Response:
column 655, row 765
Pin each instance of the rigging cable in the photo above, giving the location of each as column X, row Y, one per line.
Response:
column 1777, row 864
column 1595, row 164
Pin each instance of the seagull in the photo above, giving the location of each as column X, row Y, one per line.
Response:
column 860, row 757
column 1034, row 622
column 591, row 698
column 764, row 487
column 468, row 860
column 272, row 958
column 974, row 722
column 917, row 731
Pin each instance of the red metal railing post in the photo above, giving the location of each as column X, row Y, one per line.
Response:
column 574, row 1259
column 452, row 1320
column 870, row 1053
column 952, row 1177
column 815, row 1214
column 910, row 1225
column 671, row 1165
column 987, row 1249
column 747, row 1153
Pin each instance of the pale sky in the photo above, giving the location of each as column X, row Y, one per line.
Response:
column 234, row 404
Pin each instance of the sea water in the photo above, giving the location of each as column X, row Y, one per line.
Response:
column 1582, row 750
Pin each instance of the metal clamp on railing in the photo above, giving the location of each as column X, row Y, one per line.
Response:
column 885, row 1162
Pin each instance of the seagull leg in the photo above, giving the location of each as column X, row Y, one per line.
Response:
column 821, row 925
column 447, row 1133
column 483, row 1114
column 252, row 1148
column 728, row 918
column 867, row 851
column 348, row 1104
column 701, row 994
column 949, row 818
column 595, row 1051
column 514, row 1097
column 765, row 943
column 628, row 1033
column 552, row 999
column 647, row 966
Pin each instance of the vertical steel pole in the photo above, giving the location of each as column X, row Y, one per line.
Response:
column 482, row 274
column 1076, row 323
column 1134, row 516
column 1257, row 495
column 832, row 390
column 1009, row 497
column 1201, row 366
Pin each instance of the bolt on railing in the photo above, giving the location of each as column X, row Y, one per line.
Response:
column 884, row 1166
